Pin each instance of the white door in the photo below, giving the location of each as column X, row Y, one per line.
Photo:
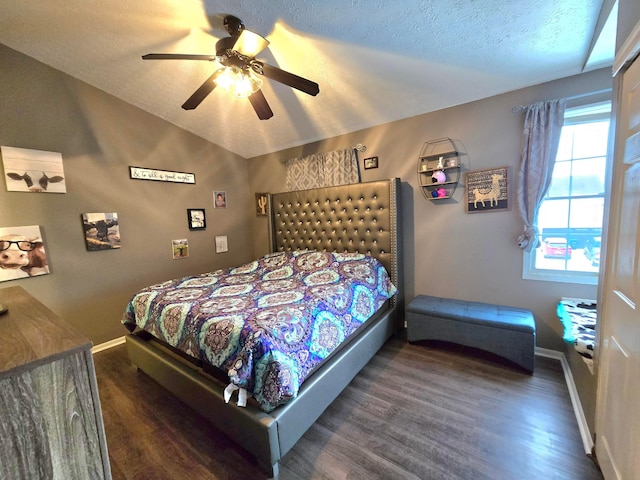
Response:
column 618, row 403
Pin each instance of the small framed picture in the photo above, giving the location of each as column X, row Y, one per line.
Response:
column 101, row 231
column 261, row 204
column 220, row 199
column 196, row 219
column 180, row 248
column 371, row 162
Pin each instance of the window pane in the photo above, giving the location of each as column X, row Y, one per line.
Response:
column 586, row 213
column 553, row 214
column 565, row 147
column 588, row 176
column 543, row 263
column 561, row 180
column 588, row 139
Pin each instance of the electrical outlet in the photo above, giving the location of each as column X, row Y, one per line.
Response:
column 221, row 244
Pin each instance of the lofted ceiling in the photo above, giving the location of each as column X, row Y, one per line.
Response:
column 375, row 61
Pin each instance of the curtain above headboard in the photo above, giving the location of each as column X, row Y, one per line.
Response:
column 326, row 169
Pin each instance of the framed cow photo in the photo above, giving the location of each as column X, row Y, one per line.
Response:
column 101, row 231
column 33, row 171
column 23, row 253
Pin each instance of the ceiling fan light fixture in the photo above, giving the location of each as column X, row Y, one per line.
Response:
column 240, row 83
column 226, row 77
column 247, row 84
column 250, row 44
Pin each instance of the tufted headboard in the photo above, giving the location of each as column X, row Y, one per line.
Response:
column 360, row 217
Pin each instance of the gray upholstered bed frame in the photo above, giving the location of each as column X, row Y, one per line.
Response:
column 359, row 217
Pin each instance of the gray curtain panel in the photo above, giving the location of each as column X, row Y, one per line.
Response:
column 540, row 139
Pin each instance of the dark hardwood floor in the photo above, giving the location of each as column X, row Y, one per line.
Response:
column 423, row 411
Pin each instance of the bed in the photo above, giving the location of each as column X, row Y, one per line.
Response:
column 359, row 218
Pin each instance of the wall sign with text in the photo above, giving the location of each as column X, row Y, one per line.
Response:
column 138, row 173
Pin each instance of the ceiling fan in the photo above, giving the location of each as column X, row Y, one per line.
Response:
column 236, row 54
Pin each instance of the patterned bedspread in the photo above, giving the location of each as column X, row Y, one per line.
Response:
column 267, row 323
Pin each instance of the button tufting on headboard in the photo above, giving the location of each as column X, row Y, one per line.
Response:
column 359, row 217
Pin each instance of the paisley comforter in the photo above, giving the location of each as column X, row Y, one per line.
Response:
column 267, row 323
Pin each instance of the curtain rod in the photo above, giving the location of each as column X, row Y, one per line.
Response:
column 360, row 147
column 522, row 108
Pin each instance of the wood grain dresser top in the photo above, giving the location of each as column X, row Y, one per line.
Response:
column 30, row 333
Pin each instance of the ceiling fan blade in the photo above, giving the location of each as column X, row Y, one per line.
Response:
column 290, row 79
column 250, row 44
column 201, row 93
column 177, row 56
column 260, row 105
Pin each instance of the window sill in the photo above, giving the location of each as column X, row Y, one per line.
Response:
column 561, row 277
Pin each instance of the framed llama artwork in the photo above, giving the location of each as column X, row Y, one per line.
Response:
column 488, row 190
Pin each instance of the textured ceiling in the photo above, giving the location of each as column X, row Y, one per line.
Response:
column 376, row 61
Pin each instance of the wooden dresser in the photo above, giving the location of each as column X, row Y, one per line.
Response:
column 50, row 419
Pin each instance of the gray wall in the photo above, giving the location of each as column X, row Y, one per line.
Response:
column 99, row 137
column 449, row 252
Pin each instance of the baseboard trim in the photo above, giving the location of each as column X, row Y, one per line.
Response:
column 545, row 352
column 107, row 345
column 587, row 441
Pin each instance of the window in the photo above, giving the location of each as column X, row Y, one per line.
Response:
column 571, row 214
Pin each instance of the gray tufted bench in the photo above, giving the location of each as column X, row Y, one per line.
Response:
column 506, row 331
